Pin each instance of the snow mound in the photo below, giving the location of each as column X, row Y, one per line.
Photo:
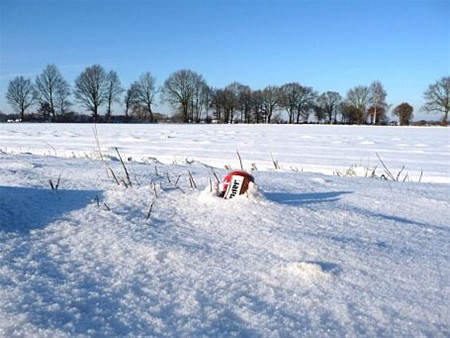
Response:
column 304, row 271
column 209, row 195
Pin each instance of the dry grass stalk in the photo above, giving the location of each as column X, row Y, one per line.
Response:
column 275, row 162
column 154, row 189
column 397, row 178
column 125, row 169
column 387, row 171
column 57, row 182
column 149, row 213
column 191, row 180
column 399, row 173
column 217, row 178
column 56, row 185
column 240, row 160
column 94, row 130
column 114, row 176
column 180, row 189
column 53, row 148
column 124, row 183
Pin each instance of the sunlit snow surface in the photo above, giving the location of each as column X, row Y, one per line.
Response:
column 303, row 255
column 311, row 148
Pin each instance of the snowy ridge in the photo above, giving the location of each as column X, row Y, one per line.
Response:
column 303, row 254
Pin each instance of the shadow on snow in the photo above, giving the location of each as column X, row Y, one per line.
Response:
column 26, row 208
column 305, row 198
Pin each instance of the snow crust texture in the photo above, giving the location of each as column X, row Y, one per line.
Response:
column 302, row 255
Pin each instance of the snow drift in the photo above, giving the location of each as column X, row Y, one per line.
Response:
column 305, row 254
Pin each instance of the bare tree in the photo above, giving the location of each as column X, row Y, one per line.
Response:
column 229, row 104
column 319, row 113
column 230, row 101
column 216, row 103
column 356, row 103
column 208, row 102
column 199, row 101
column 51, row 88
column 44, row 111
column 437, row 98
column 378, row 103
column 244, row 102
column 91, row 89
column 145, row 92
column 21, row 95
column 236, row 98
column 183, row 90
column 258, row 115
column 113, row 91
column 62, row 97
column 306, row 103
column 269, row 101
column 290, row 97
column 329, row 105
column 404, row 112
column 348, row 112
column 379, row 115
column 130, row 99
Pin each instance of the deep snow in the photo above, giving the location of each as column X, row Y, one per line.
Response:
column 305, row 254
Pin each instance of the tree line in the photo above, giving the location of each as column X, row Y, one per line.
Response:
column 193, row 100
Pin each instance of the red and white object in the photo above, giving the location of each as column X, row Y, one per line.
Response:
column 235, row 183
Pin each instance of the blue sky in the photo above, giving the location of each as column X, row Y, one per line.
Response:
column 328, row 45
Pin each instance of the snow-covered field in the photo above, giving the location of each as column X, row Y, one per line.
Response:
column 311, row 148
column 305, row 254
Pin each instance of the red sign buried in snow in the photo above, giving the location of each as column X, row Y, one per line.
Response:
column 235, row 183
